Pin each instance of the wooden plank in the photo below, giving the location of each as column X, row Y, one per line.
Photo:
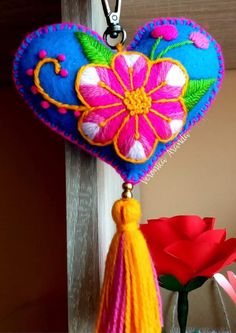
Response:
column 82, row 245
column 82, row 228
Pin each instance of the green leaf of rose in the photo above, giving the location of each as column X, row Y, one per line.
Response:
column 196, row 90
column 95, row 51
column 170, row 282
column 195, row 283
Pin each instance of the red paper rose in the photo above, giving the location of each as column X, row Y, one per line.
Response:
column 187, row 247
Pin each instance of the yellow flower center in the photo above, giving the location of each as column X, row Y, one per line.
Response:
column 137, row 101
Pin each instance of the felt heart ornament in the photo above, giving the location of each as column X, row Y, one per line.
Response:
column 126, row 107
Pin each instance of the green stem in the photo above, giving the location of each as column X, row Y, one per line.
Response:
column 173, row 46
column 182, row 310
column 157, row 42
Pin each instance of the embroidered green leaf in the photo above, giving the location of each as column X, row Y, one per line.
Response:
column 95, row 51
column 195, row 91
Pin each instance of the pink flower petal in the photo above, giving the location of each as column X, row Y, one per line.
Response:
column 131, row 148
column 166, row 92
column 167, row 129
column 100, row 125
column 173, row 110
column 132, row 69
column 157, row 74
column 166, row 80
column 98, row 85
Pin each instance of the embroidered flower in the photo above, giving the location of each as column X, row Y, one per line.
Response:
column 201, row 41
column 133, row 104
column 167, row 32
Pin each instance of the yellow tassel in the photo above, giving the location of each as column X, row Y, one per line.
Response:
column 129, row 298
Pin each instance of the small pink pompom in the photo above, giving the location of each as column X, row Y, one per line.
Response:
column 42, row 54
column 34, row 90
column 64, row 73
column 30, row 72
column 61, row 57
column 201, row 41
column 45, row 104
column 62, row 110
column 77, row 113
column 167, row 31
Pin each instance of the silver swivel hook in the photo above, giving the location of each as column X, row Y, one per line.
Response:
column 114, row 29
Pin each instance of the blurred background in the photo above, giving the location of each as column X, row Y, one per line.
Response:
column 33, row 278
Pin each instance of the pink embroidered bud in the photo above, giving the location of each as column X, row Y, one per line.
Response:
column 30, row 72
column 61, row 57
column 63, row 73
column 45, row 104
column 62, row 110
column 201, row 41
column 34, row 90
column 42, row 54
column 167, row 32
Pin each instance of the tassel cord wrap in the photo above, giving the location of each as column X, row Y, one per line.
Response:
column 129, row 301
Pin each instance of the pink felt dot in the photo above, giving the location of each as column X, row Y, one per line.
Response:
column 61, row 57
column 45, row 104
column 64, row 73
column 167, row 31
column 30, row 72
column 42, row 54
column 34, row 90
column 77, row 113
column 62, row 110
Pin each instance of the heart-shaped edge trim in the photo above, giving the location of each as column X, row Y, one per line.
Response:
column 135, row 42
column 199, row 115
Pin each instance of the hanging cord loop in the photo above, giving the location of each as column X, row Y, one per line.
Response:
column 114, row 30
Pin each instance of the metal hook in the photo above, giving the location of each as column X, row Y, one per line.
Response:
column 114, row 29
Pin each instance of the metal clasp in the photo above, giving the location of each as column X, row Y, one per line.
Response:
column 114, row 29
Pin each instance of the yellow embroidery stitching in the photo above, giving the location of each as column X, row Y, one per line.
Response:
column 160, row 115
column 137, row 134
column 165, row 100
column 103, row 123
column 113, row 92
column 131, row 77
column 107, row 106
column 151, row 126
column 128, row 159
column 120, row 80
column 43, row 92
column 156, row 88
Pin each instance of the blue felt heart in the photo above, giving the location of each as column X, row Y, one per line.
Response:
column 126, row 108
